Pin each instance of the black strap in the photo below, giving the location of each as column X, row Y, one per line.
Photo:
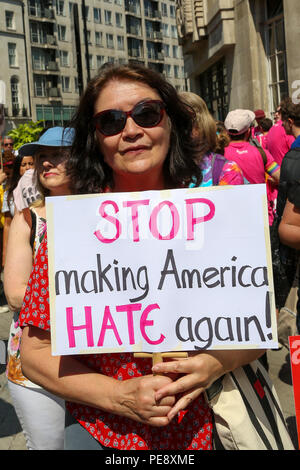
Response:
column 253, row 379
column 252, row 415
column 33, row 227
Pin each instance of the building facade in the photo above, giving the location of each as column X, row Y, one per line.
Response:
column 52, row 48
column 241, row 53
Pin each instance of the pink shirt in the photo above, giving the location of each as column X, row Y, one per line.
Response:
column 278, row 142
column 250, row 161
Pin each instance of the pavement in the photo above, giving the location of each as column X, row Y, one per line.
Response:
column 12, row 437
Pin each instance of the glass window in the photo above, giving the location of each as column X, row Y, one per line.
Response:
column 276, row 53
column 9, row 19
column 214, row 90
column 97, row 15
column 12, row 54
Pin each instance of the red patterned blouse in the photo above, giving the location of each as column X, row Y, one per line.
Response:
column 191, row 430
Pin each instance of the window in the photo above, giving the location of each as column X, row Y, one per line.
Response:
column 61, row 30
column 9, row 19
column 214, row 90
column 276, row 52
column 167, row 70
column 109, row 41
column 98, row 38
column 60, row 6
column 14, row 85
column 65, row 84
column 39, row 85
column 174, row 31
column 100, row 61
column 107, row 17
column 164, row 9
column 97, row 15
column 166, row 49
column 91, row 61
column 165, row 29
column 12, row 54
column 176, row 71
column 175, row 52
column 38, row 59
column 119, row 20
column 120, row 43
column 64, row 58
column 172, row 11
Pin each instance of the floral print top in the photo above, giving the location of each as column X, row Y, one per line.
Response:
column 191, row 430
column 13, row 368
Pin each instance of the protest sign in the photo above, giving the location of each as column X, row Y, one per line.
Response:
column 184, row 270
column 294, row 342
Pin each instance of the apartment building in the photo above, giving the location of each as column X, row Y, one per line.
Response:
column 52, row 48
column 241, row 53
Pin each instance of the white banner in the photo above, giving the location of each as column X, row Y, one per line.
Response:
column 183, row 270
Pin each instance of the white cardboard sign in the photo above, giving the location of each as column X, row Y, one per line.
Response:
column 156, row 271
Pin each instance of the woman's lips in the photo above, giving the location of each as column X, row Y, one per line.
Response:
column 135, row 150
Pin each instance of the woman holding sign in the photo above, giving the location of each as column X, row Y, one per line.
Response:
column 132, row 133
column 40, row 413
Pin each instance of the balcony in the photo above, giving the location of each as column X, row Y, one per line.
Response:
column 41, row 14
column 54, row 94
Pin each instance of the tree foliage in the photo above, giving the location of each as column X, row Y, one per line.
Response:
column 26, row 133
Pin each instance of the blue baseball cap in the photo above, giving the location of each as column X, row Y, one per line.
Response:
column 53, row 137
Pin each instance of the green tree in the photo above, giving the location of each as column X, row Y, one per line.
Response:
column 26, row 133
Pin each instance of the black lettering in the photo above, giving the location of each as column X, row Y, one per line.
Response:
column 264, row 275
column 94, row 282
column 67, row 278
column 208, row 274
column 189, row 329
column 229, row 329
column 169, row 260
column 102, row 275
column 144, row 286
column 209, row 339
column 222, row 271
column 241, row 272
column 190, row 276
column 247, row 322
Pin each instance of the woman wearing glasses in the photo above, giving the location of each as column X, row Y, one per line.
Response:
column 132, row 133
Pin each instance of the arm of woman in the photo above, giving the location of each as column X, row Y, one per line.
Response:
column 72, row 380
column 7, row 224
column 18, row 263
column 199, row 371
column 289, row 228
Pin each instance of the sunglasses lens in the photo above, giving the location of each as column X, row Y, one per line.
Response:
column 111, row 122
column 147, row 114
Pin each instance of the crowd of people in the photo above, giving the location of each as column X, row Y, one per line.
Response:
column 132, row 132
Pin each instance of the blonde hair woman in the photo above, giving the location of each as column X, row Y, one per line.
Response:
column 215, row 168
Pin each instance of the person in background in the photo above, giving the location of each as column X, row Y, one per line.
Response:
column 3, row 303
column 265, row 125
column 214, row 166
column 277, row 115
column 20, row 165
column 8, row 143
column 223, row 140
column 248, row 157
column 259, row 116
column 132, row 133
column 40, row 413
column 278, row 141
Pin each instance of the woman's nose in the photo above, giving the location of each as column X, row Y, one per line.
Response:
column 131, row 129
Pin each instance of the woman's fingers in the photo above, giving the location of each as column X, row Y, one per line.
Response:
column 184, row 402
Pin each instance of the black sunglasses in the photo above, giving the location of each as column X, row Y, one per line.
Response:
column 146, row 114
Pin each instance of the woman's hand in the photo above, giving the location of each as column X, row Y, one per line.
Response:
column 198, row 372
column 136, row 400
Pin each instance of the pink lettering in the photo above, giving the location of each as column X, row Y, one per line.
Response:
column 130, row 308
column 108, row 324
column 135, row 216
column 111, row 219
column 191, row 220
column 145, row 322
column 175, row 221
column 88, row 326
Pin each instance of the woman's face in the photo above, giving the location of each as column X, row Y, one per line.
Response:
column 135, row 152
column 26, row 164
column 51, row 170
